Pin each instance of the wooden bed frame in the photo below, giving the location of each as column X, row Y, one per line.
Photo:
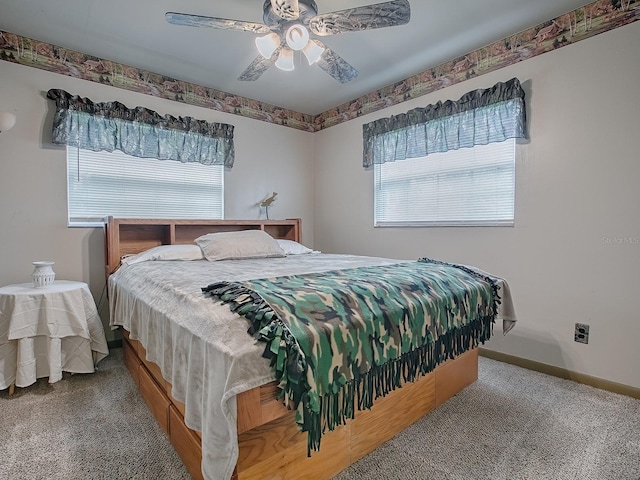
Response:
column 270, row 444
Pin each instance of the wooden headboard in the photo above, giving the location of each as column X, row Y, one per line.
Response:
column 125, row 236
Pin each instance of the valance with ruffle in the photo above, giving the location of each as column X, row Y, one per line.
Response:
column 139, row 132
column 477, row 118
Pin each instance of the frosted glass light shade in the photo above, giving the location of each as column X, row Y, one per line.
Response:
column 313, row 52
column 268, row 44
column 297, row 37
column 285, row 60
column 7, row 120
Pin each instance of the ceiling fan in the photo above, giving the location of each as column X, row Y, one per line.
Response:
column 287, row 24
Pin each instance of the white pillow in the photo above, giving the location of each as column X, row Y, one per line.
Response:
column 166, row 252
column 237, row 245
column 294, row 248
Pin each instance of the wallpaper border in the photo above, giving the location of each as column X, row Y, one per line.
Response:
column 580, row 24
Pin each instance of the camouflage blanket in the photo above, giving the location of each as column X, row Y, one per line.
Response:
column 340, row 339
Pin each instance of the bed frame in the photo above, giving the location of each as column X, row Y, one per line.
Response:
column 270, row 444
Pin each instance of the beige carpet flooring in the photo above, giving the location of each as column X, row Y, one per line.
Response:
column 511, row 424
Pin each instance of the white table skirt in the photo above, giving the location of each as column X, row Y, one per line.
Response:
column 45, row 331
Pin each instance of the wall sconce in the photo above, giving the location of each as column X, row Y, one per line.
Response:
column 7, row 120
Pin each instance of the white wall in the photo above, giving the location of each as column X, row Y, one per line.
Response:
column 574, row 254
column 33, row 212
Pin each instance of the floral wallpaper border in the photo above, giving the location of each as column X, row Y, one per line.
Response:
column 584, row 22
column 580, row 24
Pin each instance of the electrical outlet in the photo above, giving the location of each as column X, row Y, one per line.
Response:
column 582, row 333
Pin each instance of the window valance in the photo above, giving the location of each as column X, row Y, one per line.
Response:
column 139, row 132
column 477, row 118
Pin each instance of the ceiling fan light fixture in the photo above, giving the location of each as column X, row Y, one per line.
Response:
column 288, row 25
column 285, row 60
column 313, row 52
column 268, row 44
column 297, row 37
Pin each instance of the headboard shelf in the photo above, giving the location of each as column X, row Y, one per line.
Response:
column 124, row 236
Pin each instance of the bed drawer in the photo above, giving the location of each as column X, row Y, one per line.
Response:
column 152, row 368
column 186, row 443
column 127, row 338
column 131, row 361
column 392, row 414
column 278, row 450
column 452, row 378
column 180, row 408
column 155, row 398
column 141, row 353
column 259, row 406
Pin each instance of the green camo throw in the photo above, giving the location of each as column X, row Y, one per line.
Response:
column 340, row 339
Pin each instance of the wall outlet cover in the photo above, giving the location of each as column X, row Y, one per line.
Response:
column 581, row 333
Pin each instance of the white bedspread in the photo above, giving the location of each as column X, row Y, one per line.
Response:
column 202, row 348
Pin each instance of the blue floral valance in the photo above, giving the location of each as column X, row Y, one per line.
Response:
column 478, row 118
column 139, row 132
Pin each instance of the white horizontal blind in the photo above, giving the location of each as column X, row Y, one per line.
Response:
column 113, row 183
column 466, row 187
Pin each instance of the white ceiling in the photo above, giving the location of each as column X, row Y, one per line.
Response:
column 135, row 33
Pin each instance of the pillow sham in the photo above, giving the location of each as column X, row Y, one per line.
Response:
column 166, row 252
column 238, row 245
column 294, row 248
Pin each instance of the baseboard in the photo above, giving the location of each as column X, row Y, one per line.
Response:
column 596, row 382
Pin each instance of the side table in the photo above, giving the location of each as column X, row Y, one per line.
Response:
column 45, row 331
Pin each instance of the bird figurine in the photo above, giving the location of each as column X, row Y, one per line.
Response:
column 266, row 203
column 269, row 200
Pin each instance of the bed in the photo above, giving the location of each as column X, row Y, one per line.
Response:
column 205, row 378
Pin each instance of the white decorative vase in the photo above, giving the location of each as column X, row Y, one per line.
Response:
column 43, row 274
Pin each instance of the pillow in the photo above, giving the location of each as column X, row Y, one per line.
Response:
column 166, row 252
column 237, row 245
column 294, row 248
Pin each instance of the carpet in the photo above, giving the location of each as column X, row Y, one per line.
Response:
column 87, row 426
column 515, row 424
column 511, row 424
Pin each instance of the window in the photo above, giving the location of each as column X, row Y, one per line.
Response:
column 138, row 163
column 450, row 163
column 113, row 183
column 468, row 186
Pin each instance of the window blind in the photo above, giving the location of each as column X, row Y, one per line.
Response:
column 113, row 183
column 469, row 186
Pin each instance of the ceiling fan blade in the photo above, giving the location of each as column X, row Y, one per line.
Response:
column 379, row 15
column 286, row 9
column 214, row 22
column 335, row 65
column 259, row 65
